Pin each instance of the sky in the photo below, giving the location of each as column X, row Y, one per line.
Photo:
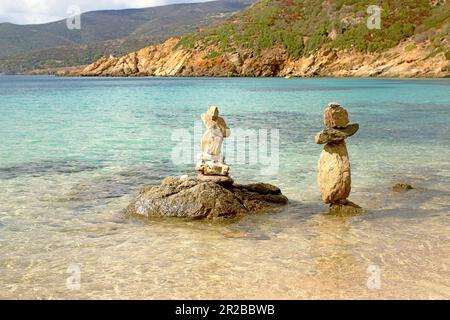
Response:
column 41, row 11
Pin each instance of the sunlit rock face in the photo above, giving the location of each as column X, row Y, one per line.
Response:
column 170, row 59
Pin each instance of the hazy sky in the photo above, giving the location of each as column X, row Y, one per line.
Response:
column 40, row 11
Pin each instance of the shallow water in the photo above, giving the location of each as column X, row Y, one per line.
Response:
column 74, row 151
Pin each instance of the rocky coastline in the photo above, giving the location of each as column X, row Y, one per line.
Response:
column 169, row 59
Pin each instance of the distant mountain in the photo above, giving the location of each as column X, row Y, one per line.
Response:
column 25, row 47
column 305, row 38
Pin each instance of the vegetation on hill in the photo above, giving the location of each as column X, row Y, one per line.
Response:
column 303, row 26
column 26, row 47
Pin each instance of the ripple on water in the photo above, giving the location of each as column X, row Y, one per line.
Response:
column 46, row 167
column 55, row 213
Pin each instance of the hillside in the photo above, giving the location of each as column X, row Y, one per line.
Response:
column 304, row 38
column 116, row 32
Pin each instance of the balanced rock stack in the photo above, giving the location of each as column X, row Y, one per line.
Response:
column 334, row 166
column 212, row 193
column 211, row 165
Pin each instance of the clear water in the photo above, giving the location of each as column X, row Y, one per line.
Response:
column 74, row 151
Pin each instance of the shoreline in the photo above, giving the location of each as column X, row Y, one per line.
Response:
column 217, row 77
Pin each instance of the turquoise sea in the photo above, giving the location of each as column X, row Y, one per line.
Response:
column 74, row 151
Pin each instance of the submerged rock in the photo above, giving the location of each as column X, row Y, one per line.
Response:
column 345, row 208
column 399, row 187
column 194, row 198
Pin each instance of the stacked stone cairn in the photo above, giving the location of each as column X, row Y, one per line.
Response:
column 211, row 165
column 212, row 193
column 334, row 166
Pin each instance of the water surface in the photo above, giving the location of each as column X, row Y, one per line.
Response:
column 74, row 151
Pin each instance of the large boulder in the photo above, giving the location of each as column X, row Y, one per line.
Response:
column 195, row 198
column 334, row 173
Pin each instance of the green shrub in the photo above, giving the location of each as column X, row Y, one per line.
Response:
column 410, row 47
column 212, row 54
column 447, row 55
column 281, row 23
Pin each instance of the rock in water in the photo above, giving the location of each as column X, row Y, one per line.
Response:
column 212, row 194
column 348, row 208
column 194, row 198
column 335, row 116
column 400, row 187
column 334, row 166
column 334, row 172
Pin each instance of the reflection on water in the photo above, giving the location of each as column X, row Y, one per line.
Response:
column 66, row 173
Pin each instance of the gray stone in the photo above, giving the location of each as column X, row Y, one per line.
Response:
column 335, row 116
column 194, row 198
column 263, row 188
column 222, row 180
column 336, row 134
column 400, row 187
column 345, row 208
